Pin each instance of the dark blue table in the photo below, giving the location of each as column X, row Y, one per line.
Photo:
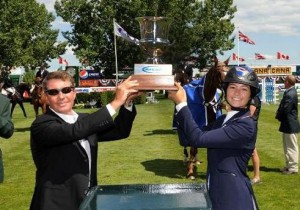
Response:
column 148, row 196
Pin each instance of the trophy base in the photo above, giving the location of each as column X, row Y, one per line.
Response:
column 154, row 82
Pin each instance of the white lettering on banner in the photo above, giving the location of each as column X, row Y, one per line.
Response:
column 153, row 69
column 94, row 74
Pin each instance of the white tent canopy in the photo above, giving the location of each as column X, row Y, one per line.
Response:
column 18, row 70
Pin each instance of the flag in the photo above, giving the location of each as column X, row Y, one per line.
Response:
column 235, row 57
column 259, row 56
column 282, row 56
column 119, row 31
column 62, row 61
column 245, row 38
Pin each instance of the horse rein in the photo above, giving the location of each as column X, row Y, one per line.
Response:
column 214, row 102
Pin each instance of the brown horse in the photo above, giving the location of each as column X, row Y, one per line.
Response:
column 214, row 79
column 38, row 97
column 211, row 104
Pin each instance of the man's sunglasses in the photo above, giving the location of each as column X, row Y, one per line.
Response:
column 54, row 92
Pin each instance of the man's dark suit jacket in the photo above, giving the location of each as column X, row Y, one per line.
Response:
column 62, row 176
column 6, row 124
column 40, row 74
column 287, row 112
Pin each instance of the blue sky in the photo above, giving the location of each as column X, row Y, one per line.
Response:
column 273, row 25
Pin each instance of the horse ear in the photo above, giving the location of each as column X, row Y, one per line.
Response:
column 227, row 61
column 215, row 60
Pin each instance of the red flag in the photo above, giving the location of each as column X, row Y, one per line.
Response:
column 245, row 38
column 62, row 61
column 282, row 56
column 259, row 56
column 235, row 57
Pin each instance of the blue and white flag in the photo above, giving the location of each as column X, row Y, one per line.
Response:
column 119, row 31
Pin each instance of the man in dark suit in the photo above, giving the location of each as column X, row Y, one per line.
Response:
column 287, row 114
column 64, row 143
column 6, row 127
column 42, row 72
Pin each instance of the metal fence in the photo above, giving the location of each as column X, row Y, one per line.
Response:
column 272, row 92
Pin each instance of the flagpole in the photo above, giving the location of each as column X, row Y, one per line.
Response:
column 238, row 46
column 116, row 56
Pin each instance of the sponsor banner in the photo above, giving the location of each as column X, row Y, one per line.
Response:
column 272, row 70
column 102, row 89
column 89, row 83
column 105, row 82
column 85, row 74
column 153, row 69
column 83, row 90
column 94, row 89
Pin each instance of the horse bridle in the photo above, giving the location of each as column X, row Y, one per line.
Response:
column 210, row 103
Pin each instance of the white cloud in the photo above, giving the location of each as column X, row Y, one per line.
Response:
column 280, row 16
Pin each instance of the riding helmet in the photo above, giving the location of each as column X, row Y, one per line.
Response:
column 243, row 75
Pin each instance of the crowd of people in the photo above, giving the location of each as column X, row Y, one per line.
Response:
column 64, row 143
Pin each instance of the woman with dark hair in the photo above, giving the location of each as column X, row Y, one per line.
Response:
column 230, row 141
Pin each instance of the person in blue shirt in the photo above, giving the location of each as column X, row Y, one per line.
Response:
column 230, row 141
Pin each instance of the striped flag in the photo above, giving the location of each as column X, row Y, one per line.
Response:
column 62, row 61
column 259, row 56
column 282, row 56
column 119, row 31
column 235, row 57
column 245, row 38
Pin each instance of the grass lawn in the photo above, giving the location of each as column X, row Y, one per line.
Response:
column 152, row 155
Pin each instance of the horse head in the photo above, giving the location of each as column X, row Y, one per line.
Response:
column 221, row 68
column 214, row 78
column 212, row 91
column 183, row 74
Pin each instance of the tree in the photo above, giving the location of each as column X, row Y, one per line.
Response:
column 213, row 28
column 199, row 29
column 26, row 37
